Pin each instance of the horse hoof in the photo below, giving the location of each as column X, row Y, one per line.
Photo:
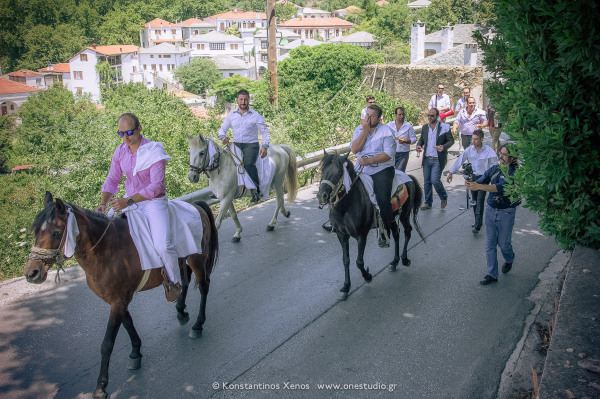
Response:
column 195, row 334
column 235, row 239
column 392, row 267
column 287, row 215
column 270, row 228
column 368, row 278
column 343, row 296
column 134, row 364
column 406, row 262
column 183, row 318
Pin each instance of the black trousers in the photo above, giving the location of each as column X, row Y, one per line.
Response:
column 382, row 186
column 466, row 140
column 479, row 197
column 250, row 155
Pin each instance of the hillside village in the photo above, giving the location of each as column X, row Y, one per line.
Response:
column 167, row 45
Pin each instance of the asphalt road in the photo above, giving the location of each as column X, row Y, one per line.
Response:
column 275, row 327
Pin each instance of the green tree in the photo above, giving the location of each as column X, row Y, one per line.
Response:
column 198, row 75
column 484, row 12
column 121, row 26
column 226, row 89
column 438, row 14
column 392, row 23
column 464, row 11
column 233, row 30
column 46, row 44
column 545, row 60
column 285, row 11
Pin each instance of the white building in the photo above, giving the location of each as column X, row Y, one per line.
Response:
column 307, row 12
column 311, row 28
column 194, row 26
column 214, row 44
column 29, row 78
column 419, row 4
column 12, row 95
column 283, row 36
column 57, row 73
column 285, row 50
column 362, row 39
column 231, row 66
column 85, row 79
column 160, row 31
column 157, row 63
column 246, row 21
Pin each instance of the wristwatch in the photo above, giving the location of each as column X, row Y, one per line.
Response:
column 130, row 202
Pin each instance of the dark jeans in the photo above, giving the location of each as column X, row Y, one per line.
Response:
column 479, row 197
column 401, row 160
column 250, row 155
column 382, row 186
column 465, row 140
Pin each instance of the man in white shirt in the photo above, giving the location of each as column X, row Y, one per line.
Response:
column 374, row 146
column 462, row 103
column 370, row 100
column 440, row 100
column 405, row 136
column 246, row 123
column 482, row 157
column 469, row 120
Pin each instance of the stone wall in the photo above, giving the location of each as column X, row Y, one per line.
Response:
column 416, row 83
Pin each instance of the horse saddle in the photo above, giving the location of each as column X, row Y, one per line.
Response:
column 399, row 197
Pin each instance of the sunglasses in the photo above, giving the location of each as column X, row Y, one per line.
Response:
column 128, row 132
column 371, row 102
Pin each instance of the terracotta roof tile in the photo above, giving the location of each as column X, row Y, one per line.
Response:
column 239, row 14
column 316, row 22
column 115, row 49
column 23, row 73
column 160, row 23
column 10, row 87
column 61, row 67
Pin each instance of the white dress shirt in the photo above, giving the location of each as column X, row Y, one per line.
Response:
column 481, row 160
column 439, row 102
column 406, row 131
column 381, row 140
column 431, row 150
column 245, row 127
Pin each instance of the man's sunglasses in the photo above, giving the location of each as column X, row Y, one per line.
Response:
column 128, row 132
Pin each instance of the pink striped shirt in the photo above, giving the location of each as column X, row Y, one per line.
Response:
column 150, row 183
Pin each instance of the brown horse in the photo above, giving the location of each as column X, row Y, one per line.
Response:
column 108, row 256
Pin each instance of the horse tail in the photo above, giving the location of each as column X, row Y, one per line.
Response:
column 213, row 243
column 416, row 202
column 291, row 178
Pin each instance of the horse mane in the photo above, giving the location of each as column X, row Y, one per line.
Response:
column 49, row 213
column 335, row 158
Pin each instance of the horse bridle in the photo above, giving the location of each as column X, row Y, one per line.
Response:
column 215, row 165
column 335, row 188
column 50, row 256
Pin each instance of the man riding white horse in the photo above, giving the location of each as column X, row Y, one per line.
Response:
column 246, row 123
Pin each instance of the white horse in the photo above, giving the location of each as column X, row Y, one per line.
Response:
column 223, row 179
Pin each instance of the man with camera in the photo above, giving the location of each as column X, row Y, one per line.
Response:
column 479, row 158
column 499, row 215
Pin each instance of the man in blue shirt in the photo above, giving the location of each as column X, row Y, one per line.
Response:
column 499, row 215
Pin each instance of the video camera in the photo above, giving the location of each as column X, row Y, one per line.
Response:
column 467, row 171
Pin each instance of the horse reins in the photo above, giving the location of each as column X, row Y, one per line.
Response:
column 114, row 217
column 215, row 165
column 336, row 188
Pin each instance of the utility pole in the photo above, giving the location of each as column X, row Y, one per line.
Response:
column 272, row 50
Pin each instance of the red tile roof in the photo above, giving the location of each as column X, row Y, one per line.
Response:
column 22, row 167
column 194, row 21
column 381, row 3
column 61, row 67
column 316, row 23
column 23, row 73
column 160, row 23
column 166, row 40
column 10, row 87
column 115, row 49
column 239, row 14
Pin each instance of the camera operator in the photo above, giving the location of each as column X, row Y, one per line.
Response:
column 481, row 157
column 499, row 215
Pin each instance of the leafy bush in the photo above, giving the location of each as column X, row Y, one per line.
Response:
column 546, row 62
column 198, row 75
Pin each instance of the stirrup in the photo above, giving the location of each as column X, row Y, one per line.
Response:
column 172, row 290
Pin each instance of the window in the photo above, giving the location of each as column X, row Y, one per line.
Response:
column 168, row 67
column 172, row 66
column 200, row 46
column 160, row 67
column 263, row 57
column 231, row 74
column 217, row 46
column 160, row 56
column 82, row 57
column 167, row 56
column 12, row 107
column 157, row 32
column 153, row 66
column 195, row 32
column 134, row 69
column 78, row 75
column 173, row 31
column 429, row 52
column 145, row 67
column 151, row 55
column 38, row 81
column 80, row 90
column 114, row 60
column 263, row 44
column 234, row 46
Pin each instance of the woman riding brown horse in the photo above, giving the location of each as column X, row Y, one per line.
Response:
column 107, row 254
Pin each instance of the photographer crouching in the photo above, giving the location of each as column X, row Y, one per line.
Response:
column 499, row 215
column 480, row 157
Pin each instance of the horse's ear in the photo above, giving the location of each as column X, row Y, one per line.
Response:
column 60, row 206
column 188, row 136
column 324, row 152
column 346, row 157
column 47, row 199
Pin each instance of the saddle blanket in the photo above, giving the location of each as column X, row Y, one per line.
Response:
column 399, row 178
column 266, row 171
column 185, row 227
